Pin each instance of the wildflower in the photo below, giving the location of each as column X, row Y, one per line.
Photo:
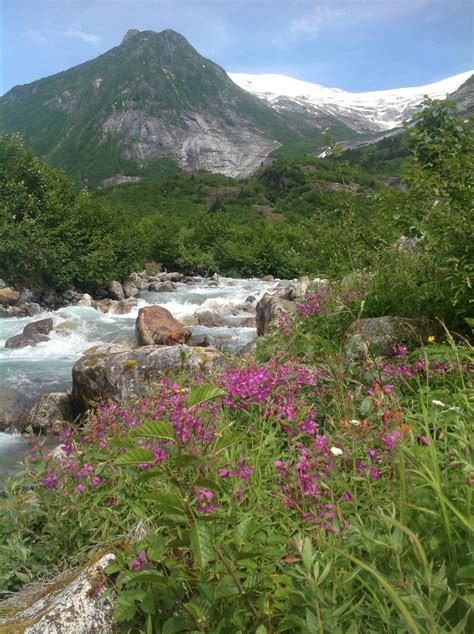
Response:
column 424, row 440
column 431, row 339
column 373, row 455
column 50, row 481
column 374, row 473
column 223, row 473
column 347, row 496
column 205, row 499
column 79, row 488
column 336, row 451
column 95, row 480
column 140, row 563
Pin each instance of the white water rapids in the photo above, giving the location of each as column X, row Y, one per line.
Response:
column 32, row 371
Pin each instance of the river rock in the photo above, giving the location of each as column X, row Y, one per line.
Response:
column 189, row 279
column 116, row 290
column 20, row 310
column 161, row 287
column 130, row 290
column 8, row 296
column 104, row 305
column 24, row 340
column 202, row 341
column 70, row 297
column 268, row 309
column 248, row 322
column 40, row 327
column 174, row 276
column 381, row 334
column 250, row 299
column 66, row 328
column 156, row 326
column 267, row 278
column 293, row 289
column 122, row 375
column 73, row 603
column 86, row 300
column 124, row 306
column 47, row 412
column 12, row 405
column 210, row 318
column 213, row 284
column 249, row 349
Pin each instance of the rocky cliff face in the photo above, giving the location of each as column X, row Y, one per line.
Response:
column 152, row 98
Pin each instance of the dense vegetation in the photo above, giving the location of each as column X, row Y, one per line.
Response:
column 312, row 495
column 51, row 236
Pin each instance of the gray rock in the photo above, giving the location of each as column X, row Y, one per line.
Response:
column 70, row 297
column 251, row 299
column 293, row 289
column 40, row 327
column 72, row 603
column 249, row 349
column 130, row 290
column 20, row 310
column 162, row 287
column 86, row 300
column 202, row 341
column 124, row 306
column 122, row 375
column 12, row 404
column 381, row 334
column 268, row 309
column 268, row 278
column 210, row 318
column 47, row 412
column 24, row 340
column 116, row 290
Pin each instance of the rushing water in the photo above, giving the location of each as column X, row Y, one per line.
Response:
column 47, row 367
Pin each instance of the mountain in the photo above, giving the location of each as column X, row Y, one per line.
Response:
column 374, row 111
column 153, row 105
column 148, row 106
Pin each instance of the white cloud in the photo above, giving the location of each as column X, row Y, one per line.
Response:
column 81, row 35
column 309, row 25
column 35, row 36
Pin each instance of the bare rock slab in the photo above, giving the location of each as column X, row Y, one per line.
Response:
column 71, row 604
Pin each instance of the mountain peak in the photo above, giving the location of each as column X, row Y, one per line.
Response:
column 130, row 33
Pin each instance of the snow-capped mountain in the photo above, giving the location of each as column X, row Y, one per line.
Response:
column 363, row 112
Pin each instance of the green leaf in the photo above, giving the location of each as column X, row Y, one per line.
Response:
column 135, row 456
column 166, row 502
column 155, row 429
column 307, row 555
column 203, row 393
column 466, row 572
column 175, row 624
column 261, row 629
column 243, row 531
column 201, row 542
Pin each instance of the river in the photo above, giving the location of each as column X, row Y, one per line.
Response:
column 47, row 367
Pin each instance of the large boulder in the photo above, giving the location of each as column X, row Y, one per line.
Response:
column 268, row 309
column 156, row 326
column 24, row 340
column 20, row 310
column 381, row 334
column 125, row 306
column 40, row 327
column 73, row 603
column 8, row 296
column 120, row 376
column 49, row 411
column 12, row 405
column 116, row 290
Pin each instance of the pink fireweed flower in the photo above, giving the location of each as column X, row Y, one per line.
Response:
column 347, row 496
column 223, row 473
column 95, row 480
column 205, row 499
column 424, row 440
column 140, row 563
column 50, row 480
column 79, row 488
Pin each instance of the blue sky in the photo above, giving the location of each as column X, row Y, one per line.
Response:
column 356, row 45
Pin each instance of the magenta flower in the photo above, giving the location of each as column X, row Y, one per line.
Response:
column 140, row 563
column 424, row 440
column 79, row 488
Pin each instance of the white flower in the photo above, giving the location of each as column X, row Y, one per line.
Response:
column 439, row 403
column 354, row 421
column 336, row 451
